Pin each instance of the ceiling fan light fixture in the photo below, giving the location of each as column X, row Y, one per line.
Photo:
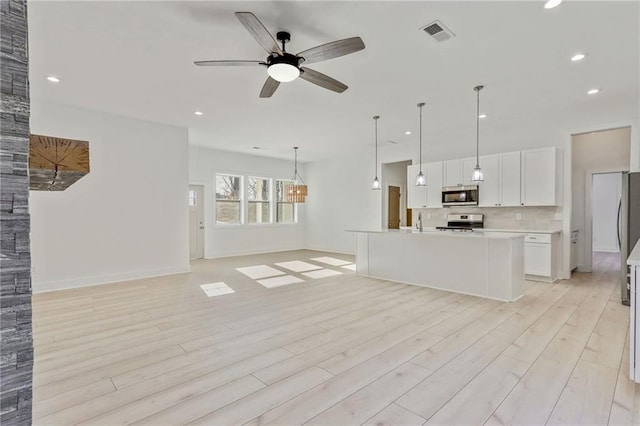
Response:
column 283, row 72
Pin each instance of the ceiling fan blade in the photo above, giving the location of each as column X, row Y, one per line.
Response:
column 322, row 80
column 259, row 32
column 332, row 50
column 269, row 87
column 227, row 63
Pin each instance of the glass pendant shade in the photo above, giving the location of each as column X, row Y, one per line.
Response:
column 283, row 72
column 376, row 183
column 296, row 191
column 420, row 180
column 478, row 176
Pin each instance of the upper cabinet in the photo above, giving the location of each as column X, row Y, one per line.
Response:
column 434, row 184
column 458, row 172
column 501, row 186
column 541, row 177
column 416, row 195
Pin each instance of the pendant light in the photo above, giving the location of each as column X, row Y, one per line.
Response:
column 376, row 182
column 297, row 190
column 477, row 176
column 420, row 179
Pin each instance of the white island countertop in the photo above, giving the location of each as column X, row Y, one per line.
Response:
column 634, row 257
column 514, row 231
column 432, row 232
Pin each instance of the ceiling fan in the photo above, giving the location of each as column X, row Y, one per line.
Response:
column 283, row 66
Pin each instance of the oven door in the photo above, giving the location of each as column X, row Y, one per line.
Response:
column 460, row 196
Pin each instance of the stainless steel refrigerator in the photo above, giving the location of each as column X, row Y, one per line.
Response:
column 628, row 227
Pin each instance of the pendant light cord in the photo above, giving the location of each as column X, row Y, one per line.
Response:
column 478, row 89
column 375, row 118
column 420, row 105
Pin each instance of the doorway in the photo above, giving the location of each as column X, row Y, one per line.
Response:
column 196, row 222
column 394, row 207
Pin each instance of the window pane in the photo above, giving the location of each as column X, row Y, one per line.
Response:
column 280, row 189
column 192, row 198
column 227, row 211
column 258, row 189
column 258, row 212
column 285, row 213
column 227, row 187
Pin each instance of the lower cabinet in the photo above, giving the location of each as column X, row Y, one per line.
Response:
column 540, row 257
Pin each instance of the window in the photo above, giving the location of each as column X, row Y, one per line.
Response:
column 228, row 198
column 285, row 210
column 259, row 196
column 192, row 198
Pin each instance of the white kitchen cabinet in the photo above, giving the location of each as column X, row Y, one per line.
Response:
column 489, row 190
column 510, row 176
column 540, row 177
column 416, row 195
column 458, row 172
column 433, row 173
column 541, row 252
column 501, row 186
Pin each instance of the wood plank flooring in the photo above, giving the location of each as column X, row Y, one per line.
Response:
column 340, row 350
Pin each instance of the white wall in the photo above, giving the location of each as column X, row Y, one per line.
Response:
column 598, row 152
column 607, row 188
column 126, row 219
column 231, row 240
column 342, row 199
column 394, row 174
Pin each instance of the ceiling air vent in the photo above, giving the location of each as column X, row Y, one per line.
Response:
column 438, row 31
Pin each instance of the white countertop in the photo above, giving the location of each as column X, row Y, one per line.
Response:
column 634, row 257
column 433, row 232
column 514, row 231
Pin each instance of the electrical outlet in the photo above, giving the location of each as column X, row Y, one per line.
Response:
column 518, row 216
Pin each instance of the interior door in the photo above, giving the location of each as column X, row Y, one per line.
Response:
column 394, row 207
column 196, row 221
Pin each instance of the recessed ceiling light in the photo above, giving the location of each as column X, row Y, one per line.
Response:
column 550, row 4
column 593, row 91
column 482, row 116
column 53, row 79
column 407, row 132
column 198, row 113
column 578, row 57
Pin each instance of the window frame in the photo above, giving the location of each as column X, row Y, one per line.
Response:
column 276, row 203
column 241, row 199
column 269, row 201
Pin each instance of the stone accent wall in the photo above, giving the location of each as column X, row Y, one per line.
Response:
column 16, row 353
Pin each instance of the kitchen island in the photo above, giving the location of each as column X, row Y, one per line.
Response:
column 485, row 264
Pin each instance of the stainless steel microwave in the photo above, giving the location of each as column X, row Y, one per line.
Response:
column 460, row 195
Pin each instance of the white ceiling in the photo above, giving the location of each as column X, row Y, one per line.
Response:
column 136, row 59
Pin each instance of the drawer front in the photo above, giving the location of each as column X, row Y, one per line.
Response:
column 537, row 238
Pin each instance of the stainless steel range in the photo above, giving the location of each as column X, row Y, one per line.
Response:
column 463, row 222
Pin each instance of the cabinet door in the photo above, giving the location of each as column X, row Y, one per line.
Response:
column 538, row 177
column 416, row 195
column 537, row 259
column 489, row 190
column 510, row 175
column 452, row 173
column 468, row 164
column 434, row 184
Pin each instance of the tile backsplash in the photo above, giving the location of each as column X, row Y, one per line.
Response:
column 533, row 218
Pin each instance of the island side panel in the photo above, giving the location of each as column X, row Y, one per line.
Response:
column 362, row 253
column 440, row 261
column 506, row 268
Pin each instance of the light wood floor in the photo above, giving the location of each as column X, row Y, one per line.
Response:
column 334, row 351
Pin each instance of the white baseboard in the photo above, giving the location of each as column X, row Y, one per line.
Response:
column 47, row 286
column 248, row 252
column 331, row 251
